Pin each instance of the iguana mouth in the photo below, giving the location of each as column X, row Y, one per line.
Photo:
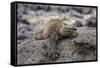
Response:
column 71, row 28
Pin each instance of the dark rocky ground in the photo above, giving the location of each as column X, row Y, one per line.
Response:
column 32, row 51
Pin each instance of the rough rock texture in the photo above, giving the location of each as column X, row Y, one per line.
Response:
column 32, row 51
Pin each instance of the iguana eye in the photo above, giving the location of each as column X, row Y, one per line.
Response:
column 65, row 24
